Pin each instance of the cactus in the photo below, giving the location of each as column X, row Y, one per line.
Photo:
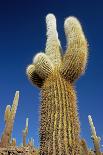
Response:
column 25, row 132
column 96, row 140
column 31, row 142
column 55, row 75
column 13, row 142
column 84, row 148
column 10, row 113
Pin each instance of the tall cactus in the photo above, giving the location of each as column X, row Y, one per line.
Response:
column 55, row 75
column 10, row 113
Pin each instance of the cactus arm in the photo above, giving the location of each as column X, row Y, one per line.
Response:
column 43, row 65
column 96, row 140
column 7, row 112
column 53, row 47
column 75, row 58
column 9, row 121
column 33, row 77
column 14, row 106
column 40, row 69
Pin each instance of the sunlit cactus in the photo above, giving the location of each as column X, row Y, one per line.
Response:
column 84, row 148
column 10, row 113
column 25, row 132
column 96, row 140
column 13, row 142
column 55, row 75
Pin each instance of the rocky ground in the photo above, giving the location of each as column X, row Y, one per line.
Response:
column 19, row 151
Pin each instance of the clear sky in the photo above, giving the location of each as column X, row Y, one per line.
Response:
column 23, row 34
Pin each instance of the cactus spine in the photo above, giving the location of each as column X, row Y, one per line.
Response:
column 10, row 113
column 55, row 75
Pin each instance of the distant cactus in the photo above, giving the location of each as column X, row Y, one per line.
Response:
column 55, row 75
column 31, row 142
column 10, row 113
column 84, row 148
column 13, row 142
column 96, row 140
column 25, row 132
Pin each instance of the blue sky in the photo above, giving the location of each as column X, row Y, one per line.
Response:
column 23, row 34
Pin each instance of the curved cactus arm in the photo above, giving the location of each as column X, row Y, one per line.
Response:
column 75, row 58
column 33, row 76
column 96, row 140
column 40, row 69
column 53, row 47
column 43, row 65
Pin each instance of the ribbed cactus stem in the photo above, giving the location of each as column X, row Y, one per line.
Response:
column 25, row 132
column 59, row 118
column 59, row 128
column 10, row 113
column 96, row 140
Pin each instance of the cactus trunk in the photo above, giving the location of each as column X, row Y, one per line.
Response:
column 59, row 118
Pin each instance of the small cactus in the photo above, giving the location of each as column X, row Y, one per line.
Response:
column 13, row 142
column 10, row 113
column 31, row 142
column 96, row 140
column 55, row 75
column 84, row 148
column 25, row 132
